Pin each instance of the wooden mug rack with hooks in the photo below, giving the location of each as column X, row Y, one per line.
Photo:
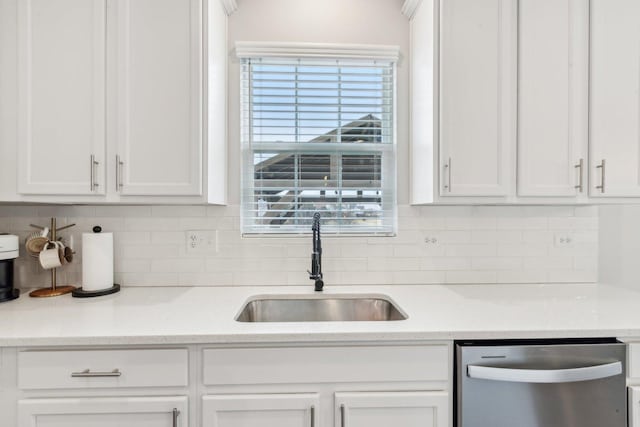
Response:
column 54, row 290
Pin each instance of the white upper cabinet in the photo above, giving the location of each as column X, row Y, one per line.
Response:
column 615, row 98
column 477, row 97
column 159, row 97
column 553, row 46
column 110, row 100
column 61, row 106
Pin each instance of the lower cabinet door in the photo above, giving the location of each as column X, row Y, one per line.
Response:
column 261, row 410
column 634, row 406
column 384, row 409
column 166, row 411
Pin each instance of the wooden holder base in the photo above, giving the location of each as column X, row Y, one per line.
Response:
column 52, row 292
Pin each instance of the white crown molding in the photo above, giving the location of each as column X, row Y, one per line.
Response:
column 230, row 6
column 409, row 7
column 316, row 50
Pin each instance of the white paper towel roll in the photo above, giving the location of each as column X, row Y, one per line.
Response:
column 97, row 261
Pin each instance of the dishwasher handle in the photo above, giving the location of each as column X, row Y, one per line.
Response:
column 544, row 375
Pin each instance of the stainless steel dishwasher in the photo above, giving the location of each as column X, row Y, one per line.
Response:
column 552, row 383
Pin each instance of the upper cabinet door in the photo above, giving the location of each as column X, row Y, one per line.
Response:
column 61, row 105
column 159, row 97
column 615, row 98
column 553, row 81
column 477, row 97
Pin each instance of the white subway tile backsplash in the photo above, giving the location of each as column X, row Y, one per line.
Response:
column 548, row 263
column 205, row 279
column 496, row 263
column 434, row 244
column 393, row 264
column 424, row 250
column 362, row 249
column 179, row 211
column 477, row 249
column 168, row 237
column 151, row 224
column 177, row 265
column 522, row 249
column 445, row 263
column 471, row 223
column 573, row 276
column 124, row 211
column 471, row 277
column 522, row 223
column 425, row 277
column 523, row 276
column 494, row 236
column 132, row 265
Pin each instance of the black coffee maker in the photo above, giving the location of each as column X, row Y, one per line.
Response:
column 8, row 253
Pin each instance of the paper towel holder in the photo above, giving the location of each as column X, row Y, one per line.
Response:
column 54, row 290
column 81, row 293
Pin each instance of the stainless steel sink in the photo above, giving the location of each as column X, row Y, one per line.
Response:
column 320, row 308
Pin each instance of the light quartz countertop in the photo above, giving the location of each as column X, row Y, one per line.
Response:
column 198, row 315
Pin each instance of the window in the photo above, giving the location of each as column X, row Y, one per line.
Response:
column 317, row 136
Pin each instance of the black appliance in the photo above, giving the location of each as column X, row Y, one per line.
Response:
column 8, row 253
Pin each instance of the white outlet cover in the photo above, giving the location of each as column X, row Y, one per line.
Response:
column 564, row 240
column 201, row 241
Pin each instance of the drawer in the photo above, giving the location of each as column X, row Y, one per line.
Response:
column 292, row 365
column 102, row 368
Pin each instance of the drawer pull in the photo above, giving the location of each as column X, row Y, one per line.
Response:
column 342, row 421
column 88, row 374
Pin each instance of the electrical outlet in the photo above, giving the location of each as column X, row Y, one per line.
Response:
column 564, row 240
column 202, row 241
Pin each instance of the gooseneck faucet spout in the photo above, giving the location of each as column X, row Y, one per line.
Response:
column 316, row 255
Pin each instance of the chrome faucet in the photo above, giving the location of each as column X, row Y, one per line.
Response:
column 316, row 255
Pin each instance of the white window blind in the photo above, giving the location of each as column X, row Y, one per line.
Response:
column 318, row 136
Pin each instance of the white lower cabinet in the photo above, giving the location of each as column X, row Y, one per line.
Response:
column 165, row 411
column 352, row 409
column 327, row 386
column 634, row 406
column 310, row 385
column 383, row 409
column 261, row 410
column 123, row 387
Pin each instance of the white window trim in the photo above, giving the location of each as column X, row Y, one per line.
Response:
column 329, row 51
column 317, row 50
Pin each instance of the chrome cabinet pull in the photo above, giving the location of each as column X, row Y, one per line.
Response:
column 175, row 417
column 447, row 166
column 93, row 183
column 88, row 374
column 119, row 164
column 602, row 176
column 580, row 167
column 313, row 416
column 342, row 416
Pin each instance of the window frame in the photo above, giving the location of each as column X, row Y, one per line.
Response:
column 387, row 151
